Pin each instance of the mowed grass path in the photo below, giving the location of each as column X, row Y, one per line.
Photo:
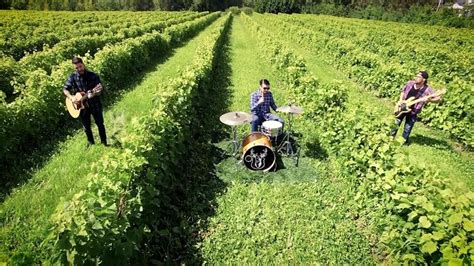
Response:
column 295, row 215
column 429, row 147
column 26, row 211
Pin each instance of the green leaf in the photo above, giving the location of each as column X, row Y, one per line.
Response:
column 412, row 215
column 429, row 247
column 426, row 238
column 438, row 235
column 468, row 225
column 409, row 257
column 403, row 206
column 455, row 262
column 428, row 206
column 455, row 219
column 97, row 226
column 424, row 222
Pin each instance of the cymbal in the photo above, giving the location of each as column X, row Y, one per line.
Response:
column 291, row 109
column 235, row 118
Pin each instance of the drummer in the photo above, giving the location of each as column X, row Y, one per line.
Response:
column 260, row 103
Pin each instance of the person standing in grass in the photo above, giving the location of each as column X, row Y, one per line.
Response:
column 414, row 88
column 83, row 80
column 260, row 103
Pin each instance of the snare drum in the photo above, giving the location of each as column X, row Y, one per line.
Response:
column 272, row 128
column 257, row 152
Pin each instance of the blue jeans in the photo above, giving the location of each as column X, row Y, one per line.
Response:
column 258, row 120
column 410, row 120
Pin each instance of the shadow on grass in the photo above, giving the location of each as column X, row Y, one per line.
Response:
column 315, row 150
column 17, row 170
column 429, row 141
column 187, row 202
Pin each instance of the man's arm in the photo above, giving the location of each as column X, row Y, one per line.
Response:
column 253, row 102
column 97, row 90
column 401, row 96
column 68, row 87
column 272, row 104
column 436, row 99
column 402, row 91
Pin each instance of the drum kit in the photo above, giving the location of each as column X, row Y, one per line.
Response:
column 259, row 149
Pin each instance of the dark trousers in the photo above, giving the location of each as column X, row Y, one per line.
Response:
column 99, row 121
column 410, row 120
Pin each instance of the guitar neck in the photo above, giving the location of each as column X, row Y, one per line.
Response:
column 422, row 99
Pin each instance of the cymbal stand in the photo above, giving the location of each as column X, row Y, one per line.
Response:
column 285, row 147
column 234, row 144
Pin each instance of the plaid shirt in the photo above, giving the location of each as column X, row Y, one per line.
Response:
column 83, row 83
column 264, row 108
column 426, row 90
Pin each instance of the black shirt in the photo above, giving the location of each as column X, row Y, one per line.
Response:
column 413, row 92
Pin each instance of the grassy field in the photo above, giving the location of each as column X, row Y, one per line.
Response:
column 287, row 216
column 428, row 147
column 24, row 218
column 220, row 212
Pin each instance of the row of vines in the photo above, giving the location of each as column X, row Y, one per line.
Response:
column 110, row 220
column 39, row 110
column 383, row 57
column 424, row 220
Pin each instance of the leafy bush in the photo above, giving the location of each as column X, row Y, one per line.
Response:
column 8, row 68
column 124, row 191
column 38, row 111
column 425, row 221
column 247, row 10
column 234, row 10
column 383, row 62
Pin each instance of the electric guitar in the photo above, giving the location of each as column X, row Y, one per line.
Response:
column 403, row 107
column 75, row 106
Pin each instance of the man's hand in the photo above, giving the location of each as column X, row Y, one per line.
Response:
column 98, row 88
column 73, row 100
column 262, row 100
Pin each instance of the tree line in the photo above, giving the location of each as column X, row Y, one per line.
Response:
column 286, row 6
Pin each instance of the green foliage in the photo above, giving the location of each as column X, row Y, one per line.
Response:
column 277, row 6
column 123, row 197
column 39, row 109
column 234, row 10
column 383, row 62
column 426, row 222
column 8, row 68
column 282, row 223
column 247, row 10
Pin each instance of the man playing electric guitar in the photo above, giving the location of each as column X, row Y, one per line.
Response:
column 85, row 81
column 417, row 88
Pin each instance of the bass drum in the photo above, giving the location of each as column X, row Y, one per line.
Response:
column 257, row 152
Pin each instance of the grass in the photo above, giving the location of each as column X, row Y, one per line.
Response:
column 428, row 147
column 25, row 213
column 294, row 215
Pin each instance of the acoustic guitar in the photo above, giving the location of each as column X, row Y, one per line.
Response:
column 403, row 107
column 74, row 107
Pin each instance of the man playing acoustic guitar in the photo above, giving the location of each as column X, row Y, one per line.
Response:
column 87, row 83
column 420, row 94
